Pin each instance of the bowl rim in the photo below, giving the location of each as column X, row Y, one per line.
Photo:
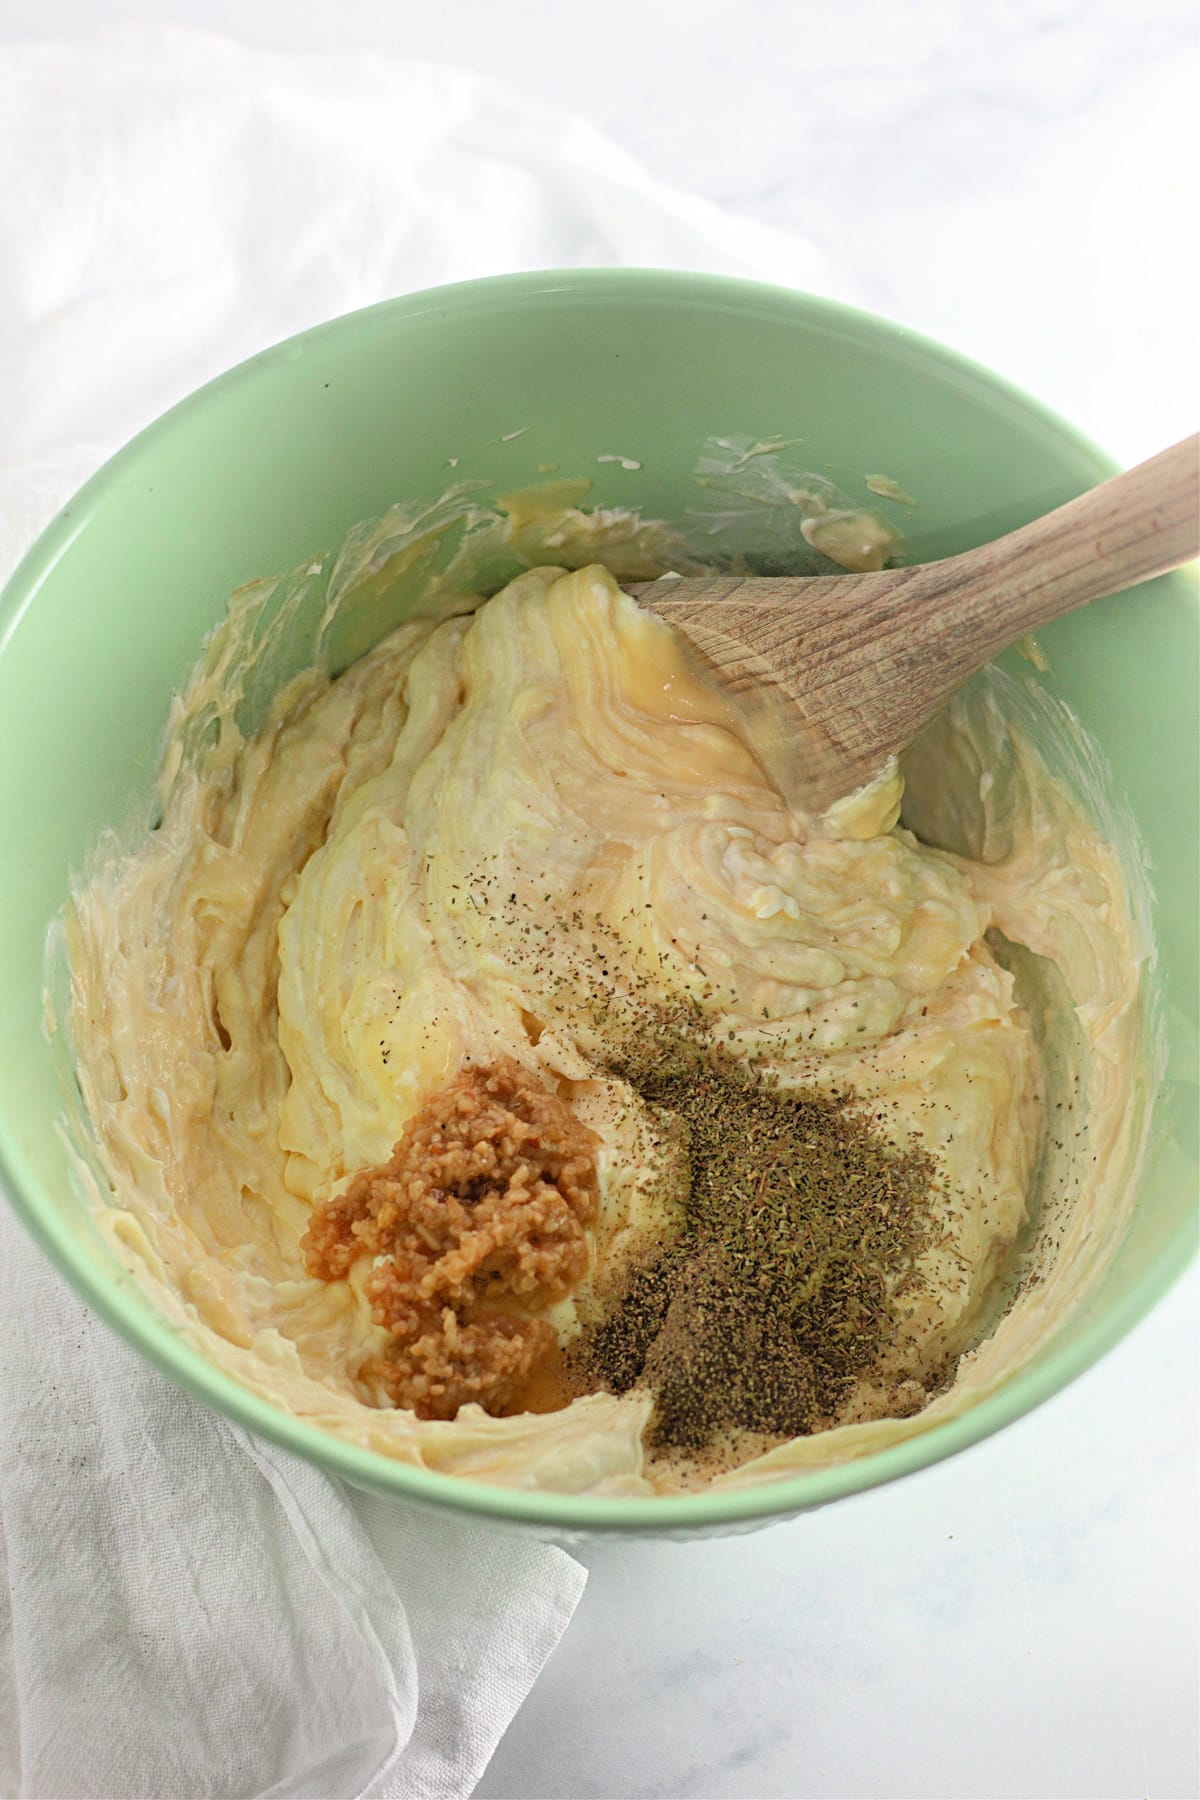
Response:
column 124, row 1307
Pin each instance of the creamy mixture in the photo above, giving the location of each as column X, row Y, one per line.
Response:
column 494, row 840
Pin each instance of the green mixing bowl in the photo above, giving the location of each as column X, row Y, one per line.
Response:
column 276, row 460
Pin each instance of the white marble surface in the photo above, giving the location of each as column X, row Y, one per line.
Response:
column 1017, row 179
column 1019, row 1621
column 1014, row 176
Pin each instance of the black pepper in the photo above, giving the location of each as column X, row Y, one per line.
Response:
column 801, row 1226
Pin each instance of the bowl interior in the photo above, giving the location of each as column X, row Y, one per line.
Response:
column 495, row 380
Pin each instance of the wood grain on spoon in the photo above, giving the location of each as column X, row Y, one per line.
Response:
column 865, row 661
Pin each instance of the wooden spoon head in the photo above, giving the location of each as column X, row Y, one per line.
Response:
column 838, row 674
column 813, row 741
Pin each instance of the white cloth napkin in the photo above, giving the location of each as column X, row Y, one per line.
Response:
column 191, row 1612
column 194, row 1613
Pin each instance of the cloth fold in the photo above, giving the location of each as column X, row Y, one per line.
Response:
column 187, row 1611
column 195, row 1613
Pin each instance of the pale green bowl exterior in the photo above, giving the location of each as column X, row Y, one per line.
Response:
column 275, row 460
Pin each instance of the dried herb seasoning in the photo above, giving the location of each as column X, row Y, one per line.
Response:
column 801, row 1226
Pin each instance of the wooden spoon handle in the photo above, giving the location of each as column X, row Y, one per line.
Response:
column 865, row 661
column 910, row 636
column 1137, row 525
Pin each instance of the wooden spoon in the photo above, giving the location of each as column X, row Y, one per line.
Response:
column 863, row 662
